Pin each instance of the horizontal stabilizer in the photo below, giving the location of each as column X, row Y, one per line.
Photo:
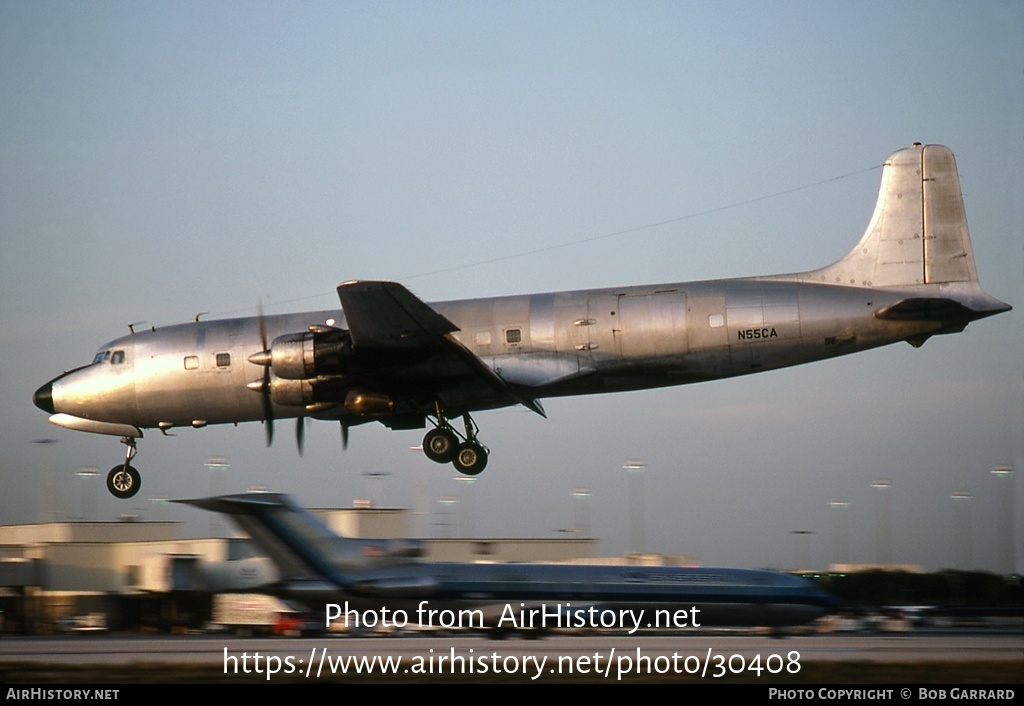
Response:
column 938, row 309
column 926, row 309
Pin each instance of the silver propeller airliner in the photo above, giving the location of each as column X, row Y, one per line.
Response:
column 389, row 357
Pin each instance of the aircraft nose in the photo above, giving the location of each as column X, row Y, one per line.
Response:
column 43, row 398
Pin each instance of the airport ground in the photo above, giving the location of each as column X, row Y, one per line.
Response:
column 919, row 657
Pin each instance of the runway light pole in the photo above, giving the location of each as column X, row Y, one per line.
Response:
column 883, row 521
column 216, row 467
column 1004, row 519
column 448, row 504
column 86, row 494
column 375, row 487
column 962, row 526
column 581, row 510
column 798, row 557
column 158, row 500
column 421, row 498
column 635, row 469
column 840, row 531
column 46, row 501
column 467, row 505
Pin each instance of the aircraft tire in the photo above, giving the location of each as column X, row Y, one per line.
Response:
column 470, row 458
column 123, row 482
column 440, row 445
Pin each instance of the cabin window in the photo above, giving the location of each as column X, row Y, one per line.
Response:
column 483, row 338
column 514, row 336
column 223, row 360
column 191, row 362
column 716, row 321
column 117, row 358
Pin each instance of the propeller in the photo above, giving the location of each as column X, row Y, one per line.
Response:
column 300, row 433
column 263, row 386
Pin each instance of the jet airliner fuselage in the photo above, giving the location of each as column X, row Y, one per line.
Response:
column 314, row 566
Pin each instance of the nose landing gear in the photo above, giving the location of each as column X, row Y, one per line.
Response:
column 441, row 445
column 124, row 481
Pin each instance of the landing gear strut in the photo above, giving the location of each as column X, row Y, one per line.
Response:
column 124, row 481
column 441, row 445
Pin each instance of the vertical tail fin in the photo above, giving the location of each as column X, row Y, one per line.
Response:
column 300, row 544
column 918, row 232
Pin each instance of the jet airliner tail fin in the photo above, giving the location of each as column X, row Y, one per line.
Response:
column 300, row 544
column 918, row 233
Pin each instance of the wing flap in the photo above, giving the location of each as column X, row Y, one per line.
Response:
column 492, row 378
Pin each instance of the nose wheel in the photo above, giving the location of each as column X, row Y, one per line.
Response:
column 124, row 481
column 441, row 445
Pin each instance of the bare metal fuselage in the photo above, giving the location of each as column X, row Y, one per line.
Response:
column 567, row 343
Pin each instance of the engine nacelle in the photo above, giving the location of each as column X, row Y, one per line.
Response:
column 369, row 404
column 305, row 355
column 323, row 390
column 293, row 356
column 294, row 393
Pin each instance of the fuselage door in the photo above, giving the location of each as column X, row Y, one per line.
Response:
column 653, row 324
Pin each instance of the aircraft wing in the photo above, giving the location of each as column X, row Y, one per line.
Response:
column 387, row 316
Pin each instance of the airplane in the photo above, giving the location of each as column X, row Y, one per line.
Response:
column 389, row 357
column 321, row 570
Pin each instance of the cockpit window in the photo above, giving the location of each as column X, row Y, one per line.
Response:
column 101, row 357
column 117, row 358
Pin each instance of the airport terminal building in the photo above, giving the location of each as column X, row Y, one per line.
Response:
column 145, row 576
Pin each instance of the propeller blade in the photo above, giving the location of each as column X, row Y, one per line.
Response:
column 262, row 324
column 300, row 433
column 344, row 436
column 268, row 406
column 268, row 412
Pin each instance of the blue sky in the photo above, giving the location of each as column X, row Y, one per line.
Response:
column 161, row 159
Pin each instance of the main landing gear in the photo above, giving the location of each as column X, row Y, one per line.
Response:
column 441, row 445
column 124, row 481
